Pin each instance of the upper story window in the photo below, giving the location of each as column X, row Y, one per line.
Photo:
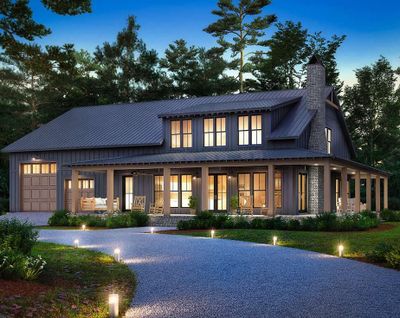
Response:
column 328, row 135
column 181, row 133
column 250, row 123
column 215, row 132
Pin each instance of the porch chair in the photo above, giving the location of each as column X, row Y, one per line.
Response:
column 246, row 204
column 139, row 203
column 157, row 207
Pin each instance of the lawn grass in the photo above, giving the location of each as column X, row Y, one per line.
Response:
column 75, row 283
column 356, row 244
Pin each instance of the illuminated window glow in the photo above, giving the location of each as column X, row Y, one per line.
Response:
column 243, row 130
column 208, row 132
column 186, row 189
column 256, row 130
column 159, row 190
column 175, row 134
column 174, row 191
column 187, row 133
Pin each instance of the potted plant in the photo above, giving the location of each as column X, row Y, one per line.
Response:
column 234, row 203
column 192, row 204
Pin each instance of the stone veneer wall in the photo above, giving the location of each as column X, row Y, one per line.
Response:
column 315, row 189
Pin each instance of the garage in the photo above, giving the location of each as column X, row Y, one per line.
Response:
column 38, row 187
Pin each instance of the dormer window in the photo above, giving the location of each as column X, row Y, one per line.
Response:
column 215, row 132
column 181, row 133
column 250, row 123
column 328, row 135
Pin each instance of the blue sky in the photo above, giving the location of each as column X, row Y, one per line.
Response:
column 372, row 27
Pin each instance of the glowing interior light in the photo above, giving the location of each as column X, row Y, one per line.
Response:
column 113, row 305
column 274, row 240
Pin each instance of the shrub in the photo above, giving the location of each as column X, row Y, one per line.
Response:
column 204, row 215
column 294, row 225
column 394, row 203
column 378, row 254
column 59, row 218
column 18, row 236
column 142, row 219
column 326, row 221
column 390, row 215
column 393, row 257
column 14, row 265
column 241, row 223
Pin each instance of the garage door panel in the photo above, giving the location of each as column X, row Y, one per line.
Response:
column 53, row 194
column 44, row 206
column 27, row 181
column 35, row 206
column 52, row 206
column 53, row 181
column 44, row 181
column 35, row 194
column 35, row 181
column 45, row 194
column 27, row 194
column 26, row 206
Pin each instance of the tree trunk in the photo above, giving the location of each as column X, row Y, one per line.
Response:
column 241, row 71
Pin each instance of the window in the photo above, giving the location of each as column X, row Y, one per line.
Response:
column 302, row 192
column 186, row 188
column 27, row 169
column 243, row 130
column 259, row 190
column 53, row 168
column 220, row 131
column 244, row 184
column 256, row 130
column 278, row 189
column 45, row 168
column 174, row 191
column 187, row 133
column 158, row 190
column 211, row 192
column 82, row 184
column 175, row 134
column 128, row 192
column 208, row 132
column 36, row 168
column 337, row 191
column 328, row 135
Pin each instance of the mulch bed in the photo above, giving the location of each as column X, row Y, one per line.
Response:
column 21, row 288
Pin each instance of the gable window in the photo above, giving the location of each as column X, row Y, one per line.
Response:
column 186, row 188
column 208, row 132
column 328, row 135
column 221, row 131
column 175, row 134
column 187, row 133
column 256, row 130
column 243, row 130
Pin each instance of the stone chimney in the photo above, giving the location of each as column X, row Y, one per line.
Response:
column 315, row 98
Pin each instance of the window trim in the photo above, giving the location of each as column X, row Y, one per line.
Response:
column 244, row 130
column 173, row 134
column 221, row 132
column 174, row 191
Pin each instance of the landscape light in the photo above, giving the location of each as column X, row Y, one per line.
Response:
column 76, row 243
column 274, row 240
column 113, row 305
column 212, row 233
column 83, row 227
column 340, row 249
column 117, row 254
column 152, row 230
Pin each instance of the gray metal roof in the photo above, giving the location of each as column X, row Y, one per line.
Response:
column 212, row 156
column 232, row 107
column 127, row 125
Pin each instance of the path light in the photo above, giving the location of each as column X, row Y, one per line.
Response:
column 83, row 227
column 340, row 249
column 212, row 233
column 152, row 230
column 76, row 243
column 117, row 254
column 274, row 240
column 113, row 305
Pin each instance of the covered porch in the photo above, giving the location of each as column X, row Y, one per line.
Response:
column 266, row 187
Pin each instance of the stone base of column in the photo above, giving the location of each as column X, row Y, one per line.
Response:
column 315, row 189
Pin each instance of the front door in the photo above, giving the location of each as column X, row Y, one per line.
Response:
column 217, row 192
column 302, row 192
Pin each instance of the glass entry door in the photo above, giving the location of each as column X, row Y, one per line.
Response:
column 302, row 192
column 217, row 192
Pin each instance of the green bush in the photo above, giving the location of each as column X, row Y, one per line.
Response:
column 390, row 215
column 378, row 254
column 17, row 236
column 15, row 265
column 59, row 218
column 393, row 257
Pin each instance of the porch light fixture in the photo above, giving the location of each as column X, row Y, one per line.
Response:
column 83, row 227
column 229, row 177
column 212, row 233
column 34, row 159
column 340, row 249
column 194, row 177
column 76, row 243
column 113, row 305
column 117, row 254
column 152, row 230
column 274, row 240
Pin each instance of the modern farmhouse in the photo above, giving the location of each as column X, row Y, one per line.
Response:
column 277, row 152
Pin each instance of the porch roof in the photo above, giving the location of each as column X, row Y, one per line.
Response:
column 211, row 156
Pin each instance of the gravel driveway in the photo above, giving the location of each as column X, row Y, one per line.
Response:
column 201, row 277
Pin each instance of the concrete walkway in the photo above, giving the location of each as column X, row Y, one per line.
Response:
column 200, row 277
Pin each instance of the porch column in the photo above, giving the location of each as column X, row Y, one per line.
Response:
column 357, row 198
column 368, row 191
column 271, row 190
column 385, row 192
column 343, row 194
column 204, row 188
column 74, row 190
column 167, row 191
column 377, row 194
column 110, row 189
column 327, row 187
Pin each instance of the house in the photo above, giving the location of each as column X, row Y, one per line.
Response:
column 279, row 152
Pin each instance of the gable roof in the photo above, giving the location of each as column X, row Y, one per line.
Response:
column 139, row 124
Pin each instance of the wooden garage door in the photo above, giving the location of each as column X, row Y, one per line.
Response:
column 39, row 187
